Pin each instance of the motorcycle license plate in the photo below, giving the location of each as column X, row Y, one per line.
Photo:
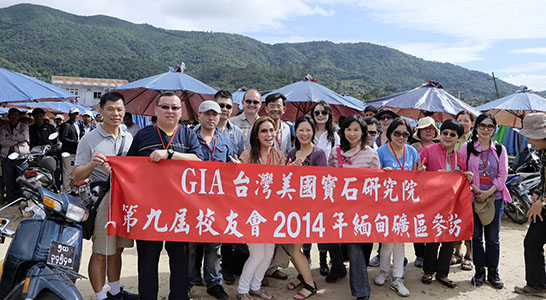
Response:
column 61, row 255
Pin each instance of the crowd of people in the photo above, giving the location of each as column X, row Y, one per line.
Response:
column 377, row 139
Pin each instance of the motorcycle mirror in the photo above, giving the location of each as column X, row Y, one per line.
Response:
column 13, row 156
column 53, row 136
column 65, row 154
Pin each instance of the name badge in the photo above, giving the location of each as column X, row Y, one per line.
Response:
column 485, row 179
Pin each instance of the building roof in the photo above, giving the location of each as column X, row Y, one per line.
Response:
column 100, row 82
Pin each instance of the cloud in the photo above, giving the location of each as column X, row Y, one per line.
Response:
column 525, row 68
column 441, row 52
column 534, row 82
column 539, row 51
column 468, row 19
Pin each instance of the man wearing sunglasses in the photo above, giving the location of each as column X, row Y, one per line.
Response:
column 251, row 106
column 275, row 107
column 225, row 126
column 373, row 131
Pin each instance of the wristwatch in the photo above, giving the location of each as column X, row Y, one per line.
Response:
column 170, row 152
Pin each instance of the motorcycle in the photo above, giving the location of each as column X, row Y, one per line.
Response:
column 43, row 259
column 521, row 185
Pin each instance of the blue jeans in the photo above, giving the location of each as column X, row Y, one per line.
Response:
column 358, row 272
column 321, row 247
column 211, row 265
column 488, row 256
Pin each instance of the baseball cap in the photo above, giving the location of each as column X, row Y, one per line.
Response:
column 74, row 111
column 209, row 105
column 88, row 113
column 59, row 116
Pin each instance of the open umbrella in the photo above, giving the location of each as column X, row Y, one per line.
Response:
column 141, row 95
column 59, row 106
column 430, row 99
column 16, row 87
column 302, row 95
column 511, row 110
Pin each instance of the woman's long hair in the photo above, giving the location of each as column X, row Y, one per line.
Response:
column 254, row 141
column 344, row 143
column 330, row 123
column 304, row 118
column 474, row 138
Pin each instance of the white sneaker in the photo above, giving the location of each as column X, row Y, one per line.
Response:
column 397, row 285
column 374, row 262
column 381, row 278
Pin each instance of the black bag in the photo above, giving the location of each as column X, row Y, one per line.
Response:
column 88, row 227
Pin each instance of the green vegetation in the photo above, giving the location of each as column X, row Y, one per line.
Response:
column 40, row 41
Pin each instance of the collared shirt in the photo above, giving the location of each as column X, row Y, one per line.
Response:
column 465, row 138
column 245, row 126
column 235, row 136
column 355, row 158
column 39, row 134
column 434, row 157
column 277, row 158
column 283, row 140
column 133, row 129
column 14, row 139
column 100, row 141
column 219, row 149
column 148, row 139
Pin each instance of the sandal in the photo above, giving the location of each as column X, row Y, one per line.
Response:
column 295, row 283
column 244, row 296
column 446, row 282
column 306, row 291
column 261, row 293
column 456, row 259
column 467, row 264
column 426, row 279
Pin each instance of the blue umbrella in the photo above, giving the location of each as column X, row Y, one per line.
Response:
column 511, row 110
column 141, row 95
column 60, row 106
column 302, row 96
column 429, row 99
column 16, row 87
column 237, row 97
column 355, row 101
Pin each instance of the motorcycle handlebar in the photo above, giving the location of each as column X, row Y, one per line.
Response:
column 26, row 184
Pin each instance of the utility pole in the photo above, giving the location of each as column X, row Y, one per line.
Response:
column 495, row 83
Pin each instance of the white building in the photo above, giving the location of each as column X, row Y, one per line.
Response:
column 88, row 90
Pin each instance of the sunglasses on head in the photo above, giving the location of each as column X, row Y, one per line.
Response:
column 398, row 133
column 451, row 134
column 167, row 107
column 486, row 126
column 255, row 102
column 385, row 117
column 228, row 106
column 320, row 112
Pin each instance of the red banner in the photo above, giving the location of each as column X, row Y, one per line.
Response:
column 248, row 203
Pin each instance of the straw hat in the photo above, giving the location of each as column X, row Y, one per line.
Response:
column 534, row 126
column 424, row 123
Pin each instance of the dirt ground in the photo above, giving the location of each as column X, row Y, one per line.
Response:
column 511, row 271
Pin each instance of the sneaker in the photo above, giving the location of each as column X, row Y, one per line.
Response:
column 374, row 262
column 398, row 285
column 418, row 263
column 217, row 291
column 381, row 278
column 122, row 295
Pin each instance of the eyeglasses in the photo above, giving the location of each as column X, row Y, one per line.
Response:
column 266, row 131
column 167, row 107
column 371, row 132
column 255, row 102
column 320, row 112
column 228, row 106
column 385, row 117
column 486, row 126
column 404, row 134
column 451, row 134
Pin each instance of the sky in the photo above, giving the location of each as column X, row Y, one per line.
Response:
column 506, row 37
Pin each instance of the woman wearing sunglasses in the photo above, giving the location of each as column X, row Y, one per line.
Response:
column 444, row 158
column 261, row 151
column 304, row 154
column 385, row 116
column 489, row 163
column 354, row 152
column 396, row 155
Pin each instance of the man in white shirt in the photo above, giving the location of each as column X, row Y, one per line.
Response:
column 251, row 106
column 275, row 107
column 131, row 127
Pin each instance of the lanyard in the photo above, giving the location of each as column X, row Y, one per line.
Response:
column 484, row 162
column 279, row 142
column 403, row 155
column 270, row 156
column 161, row 138
column 213, row 147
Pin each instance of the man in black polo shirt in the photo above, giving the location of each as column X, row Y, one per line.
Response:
column 39, row 131
column 166, row 140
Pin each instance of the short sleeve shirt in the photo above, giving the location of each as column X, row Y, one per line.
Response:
column 387, row 159
column 148, row 139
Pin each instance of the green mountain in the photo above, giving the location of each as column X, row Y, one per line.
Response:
column 41, row 41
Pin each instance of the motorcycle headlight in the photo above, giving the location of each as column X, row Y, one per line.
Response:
column 76, row 213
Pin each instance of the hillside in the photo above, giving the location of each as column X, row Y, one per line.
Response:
column 40, row 41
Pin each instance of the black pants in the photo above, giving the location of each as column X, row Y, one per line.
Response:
column 148, row 260
column 533, row 245
column 437, row 263
column 9, row 172
column 336, row 257
column 419, row 249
